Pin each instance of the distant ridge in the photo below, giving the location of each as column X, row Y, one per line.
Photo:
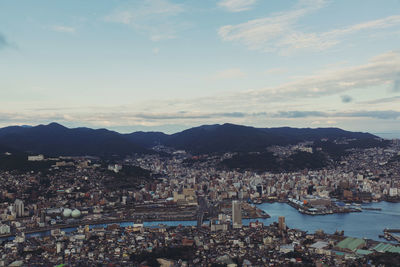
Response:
column 56, row 139
column 231, row 137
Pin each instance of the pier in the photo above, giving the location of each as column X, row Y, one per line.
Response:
column 391, row 234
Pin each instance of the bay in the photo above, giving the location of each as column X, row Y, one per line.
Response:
column 366, row 224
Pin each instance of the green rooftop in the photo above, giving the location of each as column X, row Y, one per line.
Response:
column 363, row 252
column 382, row 247
column 351, row 243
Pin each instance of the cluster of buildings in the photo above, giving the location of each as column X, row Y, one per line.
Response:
column 236, row 245
column 73, row 214
column 364, row 175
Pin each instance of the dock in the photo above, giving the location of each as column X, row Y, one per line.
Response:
column 371, row 208
column 390, row 234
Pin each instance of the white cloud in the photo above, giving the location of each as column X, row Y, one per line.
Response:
column 322, row 41
column 280, row 31
column 380, row 70
column 387, row 22
column 229, row 74
column 317, row 91
column 156, row 18
column 237, row 5
column 307, row 100
column 122, row 118
column 60, row 28
column 260, row 33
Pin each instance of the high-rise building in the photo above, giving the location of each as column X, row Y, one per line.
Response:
column 19, row 207
column 282, row 224
column 42, row 216
column 236, row 214
column 59, row 247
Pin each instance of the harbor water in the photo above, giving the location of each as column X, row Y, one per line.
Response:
column 366, row 224
column 369, row 223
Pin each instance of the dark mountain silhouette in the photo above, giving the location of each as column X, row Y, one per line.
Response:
column 55, row 139
column 266, row 161
column 223, row 138
column 18, row 161
column 237, row 138
column 4, row 149
column 147, row 139
column 309, row 134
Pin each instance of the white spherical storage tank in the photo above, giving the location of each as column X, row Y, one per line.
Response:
column 67, row 213
column 76, row 213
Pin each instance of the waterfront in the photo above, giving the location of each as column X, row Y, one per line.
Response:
column 368, row 223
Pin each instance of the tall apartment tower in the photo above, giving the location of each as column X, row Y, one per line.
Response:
column 236, row 214
column 282, row 224
column 19, row 207
column 42, row 216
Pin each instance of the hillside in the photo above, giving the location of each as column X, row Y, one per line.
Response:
column 237, row 138
column 55, row 139
column 266, row 161
column 147, row 139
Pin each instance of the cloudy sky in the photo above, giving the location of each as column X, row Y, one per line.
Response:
column 171, row 64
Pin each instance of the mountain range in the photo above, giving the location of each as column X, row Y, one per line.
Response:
column 54, row 139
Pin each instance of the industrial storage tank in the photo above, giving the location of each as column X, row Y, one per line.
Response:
column 76, row 213
column 67, row 213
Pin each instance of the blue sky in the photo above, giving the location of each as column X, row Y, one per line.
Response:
column 171, row 64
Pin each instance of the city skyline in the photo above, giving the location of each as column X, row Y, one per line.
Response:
column 170, row 65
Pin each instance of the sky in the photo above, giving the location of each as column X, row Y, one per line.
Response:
column 168, row 65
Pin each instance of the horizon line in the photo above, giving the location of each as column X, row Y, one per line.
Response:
column 395, row 135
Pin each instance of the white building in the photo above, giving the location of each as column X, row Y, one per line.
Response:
column 4, row 229
column 393, row 192
column 19, row 208
column 36, row 158
column 115, row 167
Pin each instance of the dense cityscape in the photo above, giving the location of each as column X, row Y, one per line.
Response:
column 200, row 133
column 87, row 210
